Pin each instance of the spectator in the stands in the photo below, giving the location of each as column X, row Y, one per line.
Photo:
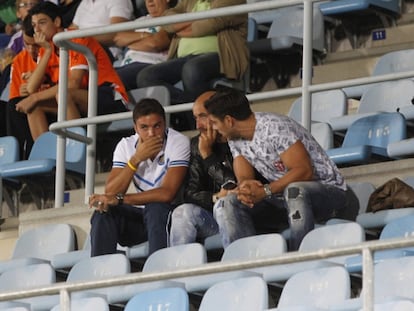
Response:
column 200, row 51
column 8, row 21
column 97, row 13
column 112, row 96
column 6, row 58
column 144, row 46
column 210, row 167
column 22, row 10
column 299, row 175
column 23, row 65
column 155, row 161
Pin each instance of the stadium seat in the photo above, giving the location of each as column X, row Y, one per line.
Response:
column 171, row 299
column 86, row 304
column 158, row 92
column 243, row 294
column 316, row 288
column 398, row 228
column 397, row 305
column 328, row 236
column 401, row 149
column 25, row 277
column 366, row 140
column 281, row 49
column 42, row 164
column 359, row 17
column 370, row 220
column 324, row 106
column 392, row 62
column 9, row 153
column 69, row 259
column 39, row 245
column 388, row 96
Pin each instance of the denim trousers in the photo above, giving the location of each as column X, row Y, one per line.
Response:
column 305, row 204
column 128, row 226
column 189, row 223
column 195, row 72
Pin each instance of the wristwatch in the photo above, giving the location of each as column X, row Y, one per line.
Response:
column 267, row 190
column 120, row 198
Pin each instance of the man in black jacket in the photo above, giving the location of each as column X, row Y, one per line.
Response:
column 210, row 177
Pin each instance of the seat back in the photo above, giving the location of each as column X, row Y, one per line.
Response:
column 253, row 247
column 86, row 304
column 377, row 130
column 175, row 257
column 158, row 92
column 387, row 96
column 45, row 241
column 393, row 62
column 397, row 305
column 99, row 267
column 164, row 299
column 363, row 191
column 323, row 134
column 27, row 276
column 325, row 105
column 288, row 21
column 334, row 235
column 394, row 278
column 45, row 148
column 9, row 150
column 316, row 288
column 398, row 228
column 243, row 294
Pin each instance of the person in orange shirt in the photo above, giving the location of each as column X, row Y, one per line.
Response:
column 112, row 96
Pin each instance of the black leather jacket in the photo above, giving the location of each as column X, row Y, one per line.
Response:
column 205, row 176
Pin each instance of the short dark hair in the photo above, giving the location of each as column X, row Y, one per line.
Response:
column 147, row 106
column 48, row 8
column 229, row 102
column 27, row 27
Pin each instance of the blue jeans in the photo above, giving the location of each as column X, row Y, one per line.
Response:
column 237, row 220
column 190, row 222
column 195, row 71
column 128, row 74
column 128, row 226
column 306, row 203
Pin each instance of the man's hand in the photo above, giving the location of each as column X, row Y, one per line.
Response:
column 27, row 104
column 40, row 40
column 101, row 202
column 250, row 192
column 149, row 148
column 206, row 141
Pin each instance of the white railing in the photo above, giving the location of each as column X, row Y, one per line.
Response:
column 64, row 289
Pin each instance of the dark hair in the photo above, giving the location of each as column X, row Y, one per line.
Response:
column 48, row 8
column 27, row 27
column 229, row 102
column 147, row 106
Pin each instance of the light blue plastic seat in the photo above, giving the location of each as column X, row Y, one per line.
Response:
column 316, row 288
column 324, row 106
column 367, row 138
column 42, row 163
column 159, row 92
column 9, row 153
column 397, row 305
column 401, row 149
column 398, row 228
column 40, row 244
column 163, row 299
column 25, row 277
column 390, row 96
column 242, row 294
column 370, row 220
column 392, row 62
column 86, row 304
column 361, row 16
column 328, row 236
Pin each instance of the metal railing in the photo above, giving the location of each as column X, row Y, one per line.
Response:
column 64, row 289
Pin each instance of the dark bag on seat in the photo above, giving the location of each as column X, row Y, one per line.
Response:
column 393, row 194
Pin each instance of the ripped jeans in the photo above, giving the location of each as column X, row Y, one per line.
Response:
column 190, row 222
column 305, row 203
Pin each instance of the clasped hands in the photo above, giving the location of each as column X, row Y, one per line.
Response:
column 251, row 191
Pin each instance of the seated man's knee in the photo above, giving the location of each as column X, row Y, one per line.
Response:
column 182, row 211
